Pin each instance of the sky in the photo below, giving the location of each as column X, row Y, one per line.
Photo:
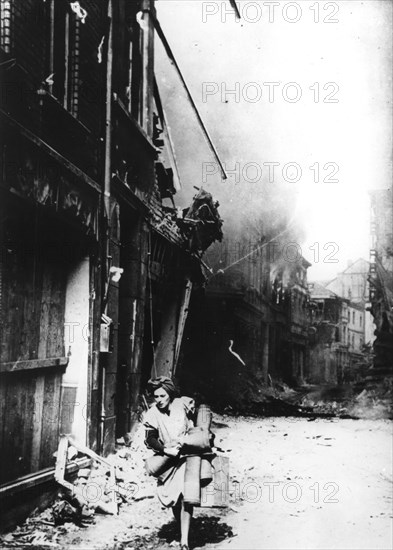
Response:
column 305, row 85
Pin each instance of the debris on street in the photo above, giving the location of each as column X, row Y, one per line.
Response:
column 269, row 457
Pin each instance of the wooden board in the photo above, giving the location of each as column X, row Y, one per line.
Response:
column 50, row 419
column 61, row 465
column 18, row 426
column 32, row 346
column 30, row 364
column 216, row 493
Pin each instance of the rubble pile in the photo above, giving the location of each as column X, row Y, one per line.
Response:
column 311, row 401
column 371, row 404
column 70, row 514
column 140, row 523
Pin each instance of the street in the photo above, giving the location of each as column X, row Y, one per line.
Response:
column 294, row 483
column 331, row 480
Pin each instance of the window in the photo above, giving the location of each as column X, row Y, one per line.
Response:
column 5, row 34
column 361, row 320
column 63, row 55
column 353, row 317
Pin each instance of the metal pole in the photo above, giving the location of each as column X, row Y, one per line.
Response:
column 107, row 195
column 108, row 114
column 172, row 59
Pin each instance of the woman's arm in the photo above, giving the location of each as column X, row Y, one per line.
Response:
column 152, row 440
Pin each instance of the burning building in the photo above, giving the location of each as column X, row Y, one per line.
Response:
column 251, row 322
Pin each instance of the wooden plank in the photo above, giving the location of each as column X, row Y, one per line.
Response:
column 85, row 450
column 108, row 507
column 67, row 406
column 6, row 451
column 108, row 445
column 5, row 305
column 37, row 422
column 50, row 419
column 44, row 315
column 55, row 341
column 22, row 292
column 13, row 304
column 18, row 427
column 43, row 476
column 30, row 364
column 32, row 298
column 61, row 458
column 182, row 320
column 28, row 387
column 216, row 493
column 3, row 412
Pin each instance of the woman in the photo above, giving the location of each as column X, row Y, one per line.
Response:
column 166, row 423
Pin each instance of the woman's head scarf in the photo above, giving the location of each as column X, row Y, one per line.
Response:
column 165, row 383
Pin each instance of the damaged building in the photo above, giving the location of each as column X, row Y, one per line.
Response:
column 97, row 264
column 338, row 329
column 250, row 325
column 352, row 283
column 329, row 317
column 381, row 282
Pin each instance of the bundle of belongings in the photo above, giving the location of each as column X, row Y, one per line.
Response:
column 206, row 475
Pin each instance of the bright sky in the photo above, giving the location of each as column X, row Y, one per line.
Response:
column 309, row 44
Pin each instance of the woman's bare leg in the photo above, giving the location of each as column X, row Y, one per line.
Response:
column 185, row 520
column 176, row 509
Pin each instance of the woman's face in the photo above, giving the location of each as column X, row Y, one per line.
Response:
column 161, row 398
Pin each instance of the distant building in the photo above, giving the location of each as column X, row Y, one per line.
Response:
column 337, row 334
column 352, row 283
column 329, row 335
column 298, row 320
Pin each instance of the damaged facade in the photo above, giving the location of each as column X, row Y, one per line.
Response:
column 329, row 358
column 250, row 326
column 96, row 273
column 337, row 336
column 381, row 282
column 352, row 283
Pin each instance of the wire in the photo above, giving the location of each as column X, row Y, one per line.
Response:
column 255, row 250
column 151, row 304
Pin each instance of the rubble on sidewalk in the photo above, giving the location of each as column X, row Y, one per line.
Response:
column 141, row 522
column 70, row 513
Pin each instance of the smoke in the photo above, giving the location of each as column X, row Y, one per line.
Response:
column 256, row 207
